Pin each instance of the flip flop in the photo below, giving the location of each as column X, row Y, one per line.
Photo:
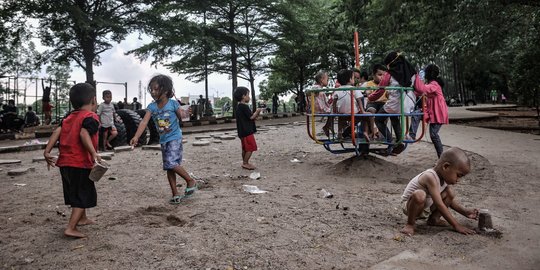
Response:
column 188, row 192
column 176, row 199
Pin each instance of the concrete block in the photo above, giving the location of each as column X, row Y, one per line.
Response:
column 151, row 147
column 32, row 147
column 226, row 137
column 123, row 149
column 9, row 161
column 42, row 158
column 202, row 137
column 106, row 155
column 9, row 149
column 20, row 171
column 201, row 143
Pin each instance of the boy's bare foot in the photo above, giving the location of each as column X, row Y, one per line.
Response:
column 437, row 222
column 326, row 131
column 86, row 221
column 408, row 230
column 248, row 166
column 74, row 233
column 366, row 136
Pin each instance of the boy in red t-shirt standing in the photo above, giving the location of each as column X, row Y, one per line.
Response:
column 78, row 137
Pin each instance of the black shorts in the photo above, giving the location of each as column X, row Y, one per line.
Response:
column 79, row 190
column 375, row 105
column 102, row 130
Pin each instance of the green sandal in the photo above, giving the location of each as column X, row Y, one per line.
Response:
column 176, row 199
column 190, row 191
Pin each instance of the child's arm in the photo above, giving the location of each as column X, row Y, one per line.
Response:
column 379, row 92
column 428, row 89
column 469, row 213
column 52, row 141
column 181, row 113
column 141, row 128
column 87, row 143
column 432, row 185
column 99, row 110
column 256, row 114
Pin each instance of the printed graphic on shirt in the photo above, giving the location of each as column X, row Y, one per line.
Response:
column 163, row 121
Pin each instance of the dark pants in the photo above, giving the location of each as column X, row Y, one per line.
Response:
column 415, row 122
column 380, row 121
column 435, row 139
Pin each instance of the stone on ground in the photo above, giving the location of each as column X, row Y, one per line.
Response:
column 9, row 161
column 201, row 143
column 123, row 148
column 19, row 171
column 151, row 147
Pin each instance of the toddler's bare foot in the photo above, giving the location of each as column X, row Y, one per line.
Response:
column 85, row 221
column 248, row 166
column 74, row 233
column 408, row 230
column 437, row 222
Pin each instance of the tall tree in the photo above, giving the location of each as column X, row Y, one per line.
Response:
column 255, row 44
column 80, row 30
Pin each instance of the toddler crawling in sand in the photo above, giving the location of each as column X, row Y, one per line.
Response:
column 428, row 195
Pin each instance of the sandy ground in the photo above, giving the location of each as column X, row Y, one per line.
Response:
column 290, row 227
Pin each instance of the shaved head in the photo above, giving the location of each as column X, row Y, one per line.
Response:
column 456, row 157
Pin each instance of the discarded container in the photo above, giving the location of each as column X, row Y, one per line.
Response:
column 325, row 194
column 253, row 189
column 484, row 219
column 98, row 171
column 185, row 116
column 255, row 175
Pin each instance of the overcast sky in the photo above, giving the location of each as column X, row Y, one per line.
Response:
column 118, row 67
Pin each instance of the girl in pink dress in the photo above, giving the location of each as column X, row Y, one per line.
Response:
column 437, row 111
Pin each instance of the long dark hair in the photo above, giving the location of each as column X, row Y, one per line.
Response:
column 165, row 84
column 400, row 69
column 432, row 74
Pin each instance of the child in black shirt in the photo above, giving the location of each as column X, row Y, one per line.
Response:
column 245, row 124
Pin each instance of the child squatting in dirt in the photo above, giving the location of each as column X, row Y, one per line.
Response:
column 429, row 195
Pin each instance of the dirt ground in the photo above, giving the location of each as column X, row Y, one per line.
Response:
column 290, row 227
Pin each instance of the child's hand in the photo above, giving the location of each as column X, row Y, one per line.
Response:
column 133, row 141
column 472, row 214
column 49, row 159
column 464, row 230
column 96, row 157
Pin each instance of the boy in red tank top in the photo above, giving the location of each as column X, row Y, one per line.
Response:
column 78, row 140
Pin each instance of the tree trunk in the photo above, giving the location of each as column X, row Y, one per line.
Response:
column 234, row 56
column 205, row 60
column 89, row 56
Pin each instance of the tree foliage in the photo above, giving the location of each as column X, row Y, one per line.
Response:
column 80, row 30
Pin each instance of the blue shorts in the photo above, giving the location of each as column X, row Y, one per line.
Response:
column 171, row 152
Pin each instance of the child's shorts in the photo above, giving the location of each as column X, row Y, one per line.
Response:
column 171, row 152
column 424, row 215
column 79, row 190
column 249, row 144
column 102, row 130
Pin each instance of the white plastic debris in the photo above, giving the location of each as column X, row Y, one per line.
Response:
column 19, row 185
column 253, row 189
column 325, row 194
column 255, row 175
column 295, row 160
